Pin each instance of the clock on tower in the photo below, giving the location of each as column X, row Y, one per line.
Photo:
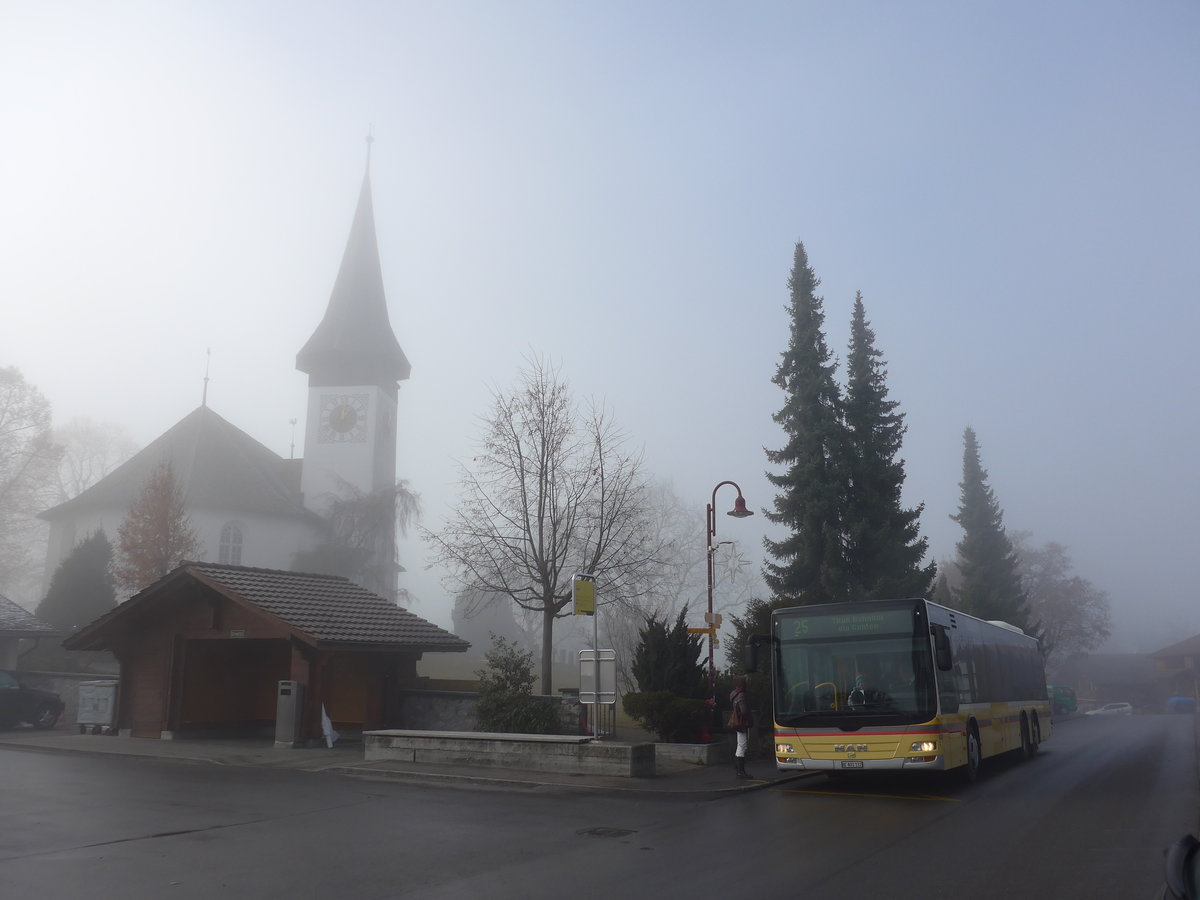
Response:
column 343, row 418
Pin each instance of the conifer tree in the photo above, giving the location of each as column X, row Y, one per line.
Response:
column 81, row 589
column 809, row 564
column 157, row 535
column 991, row 581
column 884, row 547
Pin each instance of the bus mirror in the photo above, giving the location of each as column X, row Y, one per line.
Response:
column 942, row 654
column 750, row 652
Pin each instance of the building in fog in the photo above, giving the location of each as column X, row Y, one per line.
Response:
column 250, row 506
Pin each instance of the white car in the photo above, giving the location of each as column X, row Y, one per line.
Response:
column 1111, row 709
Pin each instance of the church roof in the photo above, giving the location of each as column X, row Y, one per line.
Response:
column 216, row 464
column 354, row 343
column 319, row 608
column 15, row 621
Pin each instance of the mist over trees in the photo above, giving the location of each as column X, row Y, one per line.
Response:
column 990, row 584
column 1073, row 616
column 554, row 491
column 29, row 459
column 157, row 534
column 90, row 451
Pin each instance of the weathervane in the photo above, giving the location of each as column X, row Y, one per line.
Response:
column 207, row 361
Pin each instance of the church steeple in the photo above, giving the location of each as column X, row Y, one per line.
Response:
column 355, row 344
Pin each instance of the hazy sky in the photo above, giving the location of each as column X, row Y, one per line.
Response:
column 619, row 186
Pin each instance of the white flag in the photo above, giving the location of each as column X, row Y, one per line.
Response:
column 331, row 736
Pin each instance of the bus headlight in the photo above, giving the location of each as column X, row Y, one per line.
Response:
column 924, row 746
column 781, row 749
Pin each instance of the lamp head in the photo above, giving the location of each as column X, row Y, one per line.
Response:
column 739, row 510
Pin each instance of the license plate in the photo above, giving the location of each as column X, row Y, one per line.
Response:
column 851, row 764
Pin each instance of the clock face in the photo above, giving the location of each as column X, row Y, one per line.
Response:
column 343, row 418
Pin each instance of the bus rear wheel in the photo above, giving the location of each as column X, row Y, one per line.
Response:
column 1027, row 745
column 1035, row 732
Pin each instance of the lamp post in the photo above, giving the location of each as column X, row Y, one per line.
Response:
column 739, row 511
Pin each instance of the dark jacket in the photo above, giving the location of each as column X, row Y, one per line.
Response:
column 739, row 704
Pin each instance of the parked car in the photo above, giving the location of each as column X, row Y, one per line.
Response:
column 21, row 703
column 1111, row 709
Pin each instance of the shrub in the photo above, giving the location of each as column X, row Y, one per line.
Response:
column 506, row 701
column 672, row 718
column 668, row 659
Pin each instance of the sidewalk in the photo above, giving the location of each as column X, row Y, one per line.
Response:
column 674, row 779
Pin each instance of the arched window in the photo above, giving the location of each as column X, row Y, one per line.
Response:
column 231, row 544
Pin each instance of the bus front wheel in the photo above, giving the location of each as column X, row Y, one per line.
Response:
column 974, row 755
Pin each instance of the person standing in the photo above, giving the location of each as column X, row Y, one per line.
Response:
column 740, row 720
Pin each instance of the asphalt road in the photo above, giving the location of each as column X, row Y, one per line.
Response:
column 1088, row 819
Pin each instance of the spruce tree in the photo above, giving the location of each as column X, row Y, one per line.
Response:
column 884, row 547
column 81, row 589
column 991, row 581
column 808, row 565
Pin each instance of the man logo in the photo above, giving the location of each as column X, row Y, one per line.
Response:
column 849, row 748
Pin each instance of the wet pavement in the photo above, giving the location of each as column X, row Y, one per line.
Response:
column 685, row 780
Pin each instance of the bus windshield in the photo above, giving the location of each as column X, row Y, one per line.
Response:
column 870, row 666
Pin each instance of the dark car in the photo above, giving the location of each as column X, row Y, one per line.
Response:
column 21, row 703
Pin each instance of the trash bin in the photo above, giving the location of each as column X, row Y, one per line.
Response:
column 289, row 713
column 97, row 708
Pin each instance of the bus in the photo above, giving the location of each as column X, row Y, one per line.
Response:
column 900, row 686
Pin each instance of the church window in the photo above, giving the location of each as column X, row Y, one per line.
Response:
column 231, row 544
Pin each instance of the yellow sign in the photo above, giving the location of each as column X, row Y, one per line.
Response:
column 584, row 592
column 701, row 630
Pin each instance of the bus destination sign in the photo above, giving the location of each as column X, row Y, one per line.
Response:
column 851, row 624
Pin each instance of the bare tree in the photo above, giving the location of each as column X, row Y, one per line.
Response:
column 553, row 492
column 28, row 458
column 1073, row 615
column 157, row 534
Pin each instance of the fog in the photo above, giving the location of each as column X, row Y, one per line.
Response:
column 619, row 187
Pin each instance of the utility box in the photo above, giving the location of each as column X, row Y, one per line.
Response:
column 289, row 713
column 97, row 707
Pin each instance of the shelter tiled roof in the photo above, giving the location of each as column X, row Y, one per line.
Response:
column 320, row 608
column 15, row 621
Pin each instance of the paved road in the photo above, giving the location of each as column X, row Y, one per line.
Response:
column 1087, row 819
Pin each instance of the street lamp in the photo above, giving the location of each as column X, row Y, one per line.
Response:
column 739, row 511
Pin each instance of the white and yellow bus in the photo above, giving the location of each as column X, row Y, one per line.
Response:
column 900, row 686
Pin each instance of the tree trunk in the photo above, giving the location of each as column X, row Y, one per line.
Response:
column 547, row 649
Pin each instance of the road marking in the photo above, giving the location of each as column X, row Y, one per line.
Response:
column 873, row 796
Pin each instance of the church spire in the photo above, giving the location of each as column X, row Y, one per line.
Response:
column 355, row 344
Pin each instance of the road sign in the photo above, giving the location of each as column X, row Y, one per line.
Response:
column 583, row 590
column 713, row 618
column 701, row 630
column 607, row 672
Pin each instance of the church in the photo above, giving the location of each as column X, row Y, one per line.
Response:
column 248, row 505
